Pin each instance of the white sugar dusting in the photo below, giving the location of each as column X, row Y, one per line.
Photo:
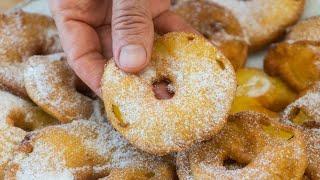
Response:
column 23, row 35
column 55, row 91
column 203, row 95
column 306, row 30
column 261, row 18
column 105, row 141
column 10, row 136
column 240, row 140
column 309, row 104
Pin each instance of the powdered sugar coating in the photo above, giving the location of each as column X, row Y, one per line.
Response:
column 23, row 35
column 306, row 30
column 245, row 139
column 11, row 78
column 50, row 83
column 218, row 25
column 264, row 20
column 15, row 113
column 97, row 137
column 204, row 83
column 10, row 136
column 309, row 104
column 296, row 63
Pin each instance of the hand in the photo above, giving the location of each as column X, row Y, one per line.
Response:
column 93, row 31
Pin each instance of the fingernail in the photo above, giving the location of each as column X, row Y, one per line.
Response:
column 132, row 56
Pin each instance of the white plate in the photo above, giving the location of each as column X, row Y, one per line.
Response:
column 255, row 60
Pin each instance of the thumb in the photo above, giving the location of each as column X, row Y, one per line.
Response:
column 132, row 34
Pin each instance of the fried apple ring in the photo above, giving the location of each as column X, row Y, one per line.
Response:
column 264, row 21
column 251, row 146
column 17, row 116
column 50, row 83
column 295, row 63
column 82, row 150
column 201, row 81
column 271, row 92
column 305, row 114
column 306, row 30
column 245, row 103
column 218, row 25
column 23, row 35
column 261, row 93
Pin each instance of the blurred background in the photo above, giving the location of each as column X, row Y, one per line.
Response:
column 8, row 4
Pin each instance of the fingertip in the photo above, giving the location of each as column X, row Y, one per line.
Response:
column 132, row 58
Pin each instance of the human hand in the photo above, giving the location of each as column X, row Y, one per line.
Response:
column 93, row 31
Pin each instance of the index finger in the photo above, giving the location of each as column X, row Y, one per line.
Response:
column 83, row 49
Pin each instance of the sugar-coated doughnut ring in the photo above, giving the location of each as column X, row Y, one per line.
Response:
column 271, row 92
column 305, row 114
column 218, row 25
column 307, row 30
column 295, row 63
column 50, row 83
column 23, row 35
column 264, row 21
column 16, row 117
column 82, row 150
column 251, row 146
column 199, row 78
column 306, row 107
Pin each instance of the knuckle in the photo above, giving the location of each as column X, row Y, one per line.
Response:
column 133, row 17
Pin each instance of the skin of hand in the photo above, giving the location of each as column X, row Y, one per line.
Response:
column 93, row 31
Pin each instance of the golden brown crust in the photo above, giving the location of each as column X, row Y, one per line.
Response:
column 16, row 117
column 50, row 83
column 204, row 84
column 271, row 92
column 305, row 114
column 264, row 21
column 244, row 103
column 23, row 35
column 263, row 149
column 162, row 173
column 306, row 30
column 83, row 150
column 296, row 63
column 218, row 25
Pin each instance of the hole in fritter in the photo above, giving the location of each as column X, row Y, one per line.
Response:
column 216, row 27
column 221, row 64
column 231, row 164
column 190, row 38
column 299, row 117
column 31, row 120
column 206, row 35
column 16, row 118
column 311, row 124
column 163, row 89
